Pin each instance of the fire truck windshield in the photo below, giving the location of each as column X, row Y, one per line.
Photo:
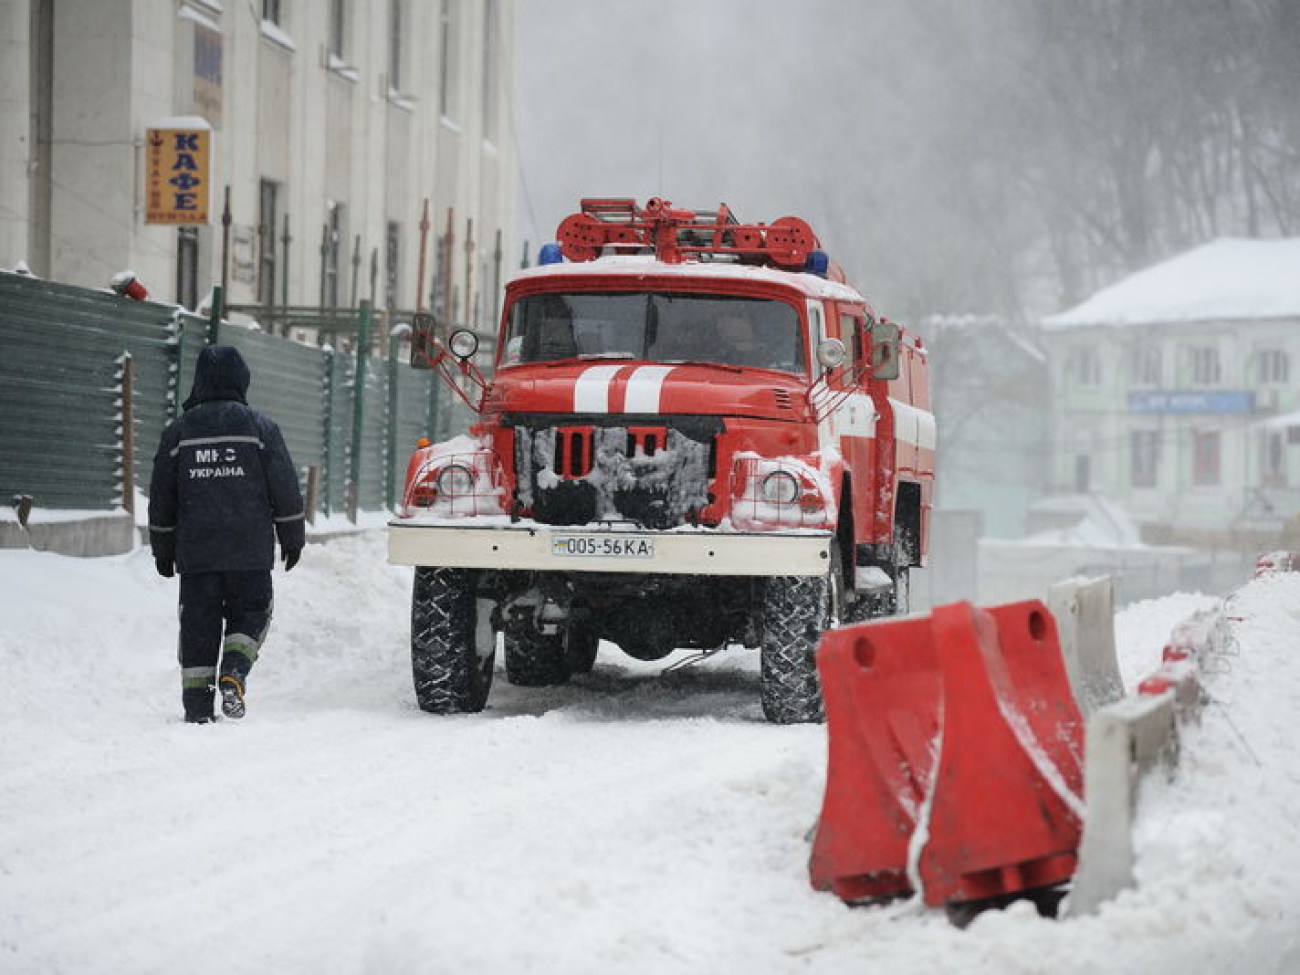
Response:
column 656, row 327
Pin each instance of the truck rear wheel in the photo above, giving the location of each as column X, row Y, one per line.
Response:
column 796, row 610
column 452, row 644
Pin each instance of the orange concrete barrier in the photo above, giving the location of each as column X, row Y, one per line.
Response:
column 955, row 757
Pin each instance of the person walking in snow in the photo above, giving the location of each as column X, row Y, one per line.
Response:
column 223, row 490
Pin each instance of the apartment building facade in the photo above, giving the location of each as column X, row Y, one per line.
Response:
column 329, row 123
column 1175, row 394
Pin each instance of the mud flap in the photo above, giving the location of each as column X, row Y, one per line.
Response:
column 955, row 757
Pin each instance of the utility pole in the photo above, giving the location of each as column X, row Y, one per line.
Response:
column 324, row 259
column 226, row 220
column 356, row 266
column 469, row 271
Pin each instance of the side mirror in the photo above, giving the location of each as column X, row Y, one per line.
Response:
column 831, row 353
column 886, row 337
column 424, row 344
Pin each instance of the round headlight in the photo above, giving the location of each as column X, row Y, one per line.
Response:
column 455, row 480
column 779, row 487
column 464, row 343
column 832, row 353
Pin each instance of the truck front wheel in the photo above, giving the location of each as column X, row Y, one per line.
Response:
column 796, row 609
column 452, row 643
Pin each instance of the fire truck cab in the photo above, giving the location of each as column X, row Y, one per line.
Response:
column 697, row 433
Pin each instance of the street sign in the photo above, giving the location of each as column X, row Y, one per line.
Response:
column 178, row 175
column 1191, row 401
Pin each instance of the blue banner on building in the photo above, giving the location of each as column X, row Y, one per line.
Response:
column 1191, row 401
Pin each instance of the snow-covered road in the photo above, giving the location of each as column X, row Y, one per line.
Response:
column 629, row 822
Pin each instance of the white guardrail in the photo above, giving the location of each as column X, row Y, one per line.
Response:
column 1128, row 738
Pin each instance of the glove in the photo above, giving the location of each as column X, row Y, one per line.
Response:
column 166, row 567
column 291, row 557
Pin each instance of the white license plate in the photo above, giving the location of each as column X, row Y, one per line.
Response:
column 603, row 546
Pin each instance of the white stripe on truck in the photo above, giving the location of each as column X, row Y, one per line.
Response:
column 591, row 389
column 643, row 389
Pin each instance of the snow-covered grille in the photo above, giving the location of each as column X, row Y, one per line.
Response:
column 653, row 476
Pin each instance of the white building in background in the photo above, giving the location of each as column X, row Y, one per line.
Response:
column 1176, row 394
column 335, row 119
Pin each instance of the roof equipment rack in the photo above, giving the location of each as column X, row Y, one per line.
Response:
column 677, row 235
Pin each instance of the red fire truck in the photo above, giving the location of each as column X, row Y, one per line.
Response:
column 696, row 434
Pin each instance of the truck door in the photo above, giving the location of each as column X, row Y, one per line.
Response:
column 855, row 417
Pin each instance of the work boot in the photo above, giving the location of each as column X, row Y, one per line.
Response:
column 232, row 696
column 198, row 704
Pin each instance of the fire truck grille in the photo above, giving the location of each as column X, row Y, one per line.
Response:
column 653, row 476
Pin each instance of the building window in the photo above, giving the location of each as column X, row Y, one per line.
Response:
column 1272, row 366
column 1147, row 363
column 396, row 26
column 271, row 11
column 491, row 68
column 1205, row 458
column 392, row 264
column 331, row 259
column 1085, row 367
column 1273, row 468
column 1144, row 457
column 446, row 56
column 338, row 29
column 1206, row 369
column 267, row 219
column 1082, row 473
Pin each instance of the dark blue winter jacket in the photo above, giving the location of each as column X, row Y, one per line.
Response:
column 223, row 486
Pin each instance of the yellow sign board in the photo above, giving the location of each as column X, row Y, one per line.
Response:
column 178, row 172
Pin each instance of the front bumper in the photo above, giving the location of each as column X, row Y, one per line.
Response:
column 538, row 548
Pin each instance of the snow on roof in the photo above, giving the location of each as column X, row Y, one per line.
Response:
column 1229, row 278
column 647, row 265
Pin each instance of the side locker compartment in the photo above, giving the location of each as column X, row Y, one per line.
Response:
column 928, row 442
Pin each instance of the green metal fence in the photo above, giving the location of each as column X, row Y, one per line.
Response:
column 63, row 365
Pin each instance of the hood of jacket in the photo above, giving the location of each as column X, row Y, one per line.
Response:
column 220, row 373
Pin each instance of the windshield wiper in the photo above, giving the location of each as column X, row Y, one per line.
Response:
column 710, row 364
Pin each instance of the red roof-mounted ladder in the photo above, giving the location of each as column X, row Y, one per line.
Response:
column 678, row 235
